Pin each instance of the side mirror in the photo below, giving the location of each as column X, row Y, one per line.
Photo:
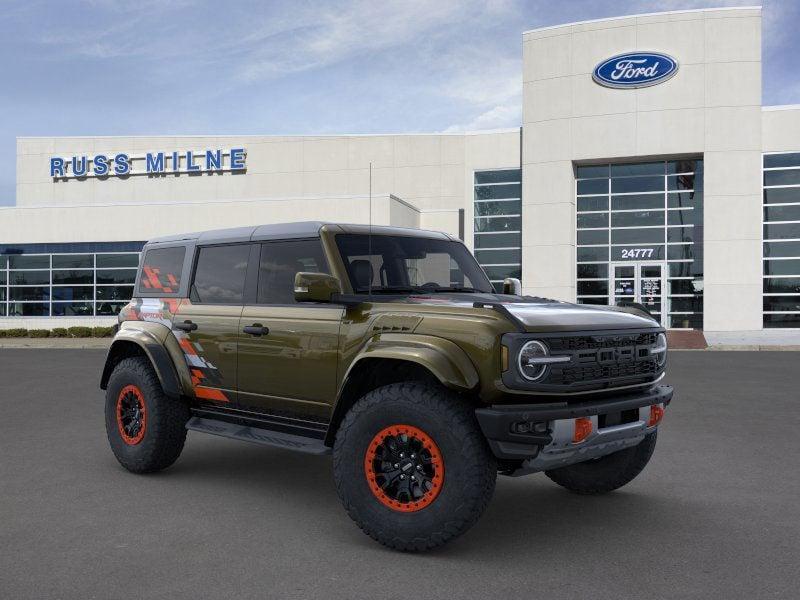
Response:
column 512, row 286
column 315, row 287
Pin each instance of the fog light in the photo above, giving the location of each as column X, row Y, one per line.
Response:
column 583, row 429
column 528, row 427
column 656, row 414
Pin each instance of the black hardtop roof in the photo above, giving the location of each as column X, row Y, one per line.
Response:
column 300, row 229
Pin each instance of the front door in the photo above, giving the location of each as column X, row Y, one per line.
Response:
column 639, row 282
column 288, row 351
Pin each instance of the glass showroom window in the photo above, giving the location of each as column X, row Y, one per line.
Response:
column 66, row 285
column 498, row 224
column 782, row 240
column 640, row 237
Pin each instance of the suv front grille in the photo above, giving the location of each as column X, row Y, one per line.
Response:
column 587, row 342
column 603, row 359
column 572, row 375
column 597, row 361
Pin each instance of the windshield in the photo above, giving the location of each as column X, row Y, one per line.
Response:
column 400, row 264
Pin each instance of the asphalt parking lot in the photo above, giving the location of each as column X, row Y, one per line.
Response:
column 715, row 515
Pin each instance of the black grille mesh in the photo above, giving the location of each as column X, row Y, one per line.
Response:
column 635, row 365
column 599, row 373
column 596, row 342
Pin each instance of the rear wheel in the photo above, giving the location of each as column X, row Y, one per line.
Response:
column 146, row 430
column 411, row 466
column 607, row 473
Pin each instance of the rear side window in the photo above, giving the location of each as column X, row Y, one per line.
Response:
column 280, row 262
column 220, row 274
column 161, row 270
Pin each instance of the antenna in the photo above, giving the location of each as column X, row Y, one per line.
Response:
column 369, row 236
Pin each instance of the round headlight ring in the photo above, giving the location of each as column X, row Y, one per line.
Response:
column 538, row 349
column 661, row 349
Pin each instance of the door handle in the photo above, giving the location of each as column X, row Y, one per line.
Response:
column 256, row 329
column 186, row 326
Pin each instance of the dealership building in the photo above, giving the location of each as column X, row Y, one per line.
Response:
column 645, row 169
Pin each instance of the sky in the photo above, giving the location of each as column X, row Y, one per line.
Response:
column 161, row 67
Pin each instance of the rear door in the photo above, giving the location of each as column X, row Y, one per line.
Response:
column 288, row 351
column 207, row 325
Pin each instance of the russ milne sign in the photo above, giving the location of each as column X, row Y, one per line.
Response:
column 635, row 70
column 151, row 163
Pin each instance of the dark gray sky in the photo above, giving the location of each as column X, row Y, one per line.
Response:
column 102, row 67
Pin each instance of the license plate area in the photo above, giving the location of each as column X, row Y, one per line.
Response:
column 617, row 418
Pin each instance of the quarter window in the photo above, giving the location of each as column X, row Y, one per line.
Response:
column 280, row 262
column 220, row 274
column 161, row 271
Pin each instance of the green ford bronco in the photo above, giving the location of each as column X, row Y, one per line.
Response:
column 390, row 349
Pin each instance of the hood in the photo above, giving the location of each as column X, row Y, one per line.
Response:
column 576, row 317
column 541, row 314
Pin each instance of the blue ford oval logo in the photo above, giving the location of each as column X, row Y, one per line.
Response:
column 635, row 70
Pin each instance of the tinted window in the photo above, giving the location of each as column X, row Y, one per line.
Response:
column 117, row 260
column 280, row 262
column 220, row 274
column 73, row 261
column 29, row 262
column 161, row 271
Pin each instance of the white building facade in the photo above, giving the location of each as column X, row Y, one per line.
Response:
column 646, row 169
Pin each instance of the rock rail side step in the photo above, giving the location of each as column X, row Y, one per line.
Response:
column 257, row 435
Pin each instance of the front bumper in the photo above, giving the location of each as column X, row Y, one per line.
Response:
column 549, row 445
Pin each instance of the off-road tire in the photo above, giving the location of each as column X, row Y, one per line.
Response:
column 469, row 468
column 165, row 431
column 607, row 473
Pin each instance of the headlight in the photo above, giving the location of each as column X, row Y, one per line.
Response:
column 660, row 349
column 533, row 359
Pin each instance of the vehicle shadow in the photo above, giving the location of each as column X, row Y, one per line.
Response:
column 524, row 511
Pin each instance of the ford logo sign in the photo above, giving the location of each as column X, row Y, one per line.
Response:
column 635, row 70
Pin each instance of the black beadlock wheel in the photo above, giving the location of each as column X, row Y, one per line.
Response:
column 146, row 430
column 412, row 467
column 607, row 473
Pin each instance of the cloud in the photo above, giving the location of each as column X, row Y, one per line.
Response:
column 498, row 117
column 323, row 37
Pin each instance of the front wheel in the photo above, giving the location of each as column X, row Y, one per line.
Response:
column 146, row 430
column 411, row 466
column 607, row 473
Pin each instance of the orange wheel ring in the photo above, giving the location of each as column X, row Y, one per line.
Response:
column 131, row 415
column 404, row 468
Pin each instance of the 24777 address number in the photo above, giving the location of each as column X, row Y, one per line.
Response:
column 637, row 253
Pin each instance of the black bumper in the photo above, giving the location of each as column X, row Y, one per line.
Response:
column 496, row 421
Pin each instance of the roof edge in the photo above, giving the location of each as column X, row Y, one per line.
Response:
column 270, row 135
column 651, row 14
column 781, row 107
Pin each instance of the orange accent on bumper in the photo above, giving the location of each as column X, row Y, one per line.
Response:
column 583, row 429
column 656, row 414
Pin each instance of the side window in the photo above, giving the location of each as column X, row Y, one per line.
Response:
column 280, row 262
column 220, row 274
column 161, row 270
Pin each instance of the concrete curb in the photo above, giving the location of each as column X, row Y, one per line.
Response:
column 56, row 343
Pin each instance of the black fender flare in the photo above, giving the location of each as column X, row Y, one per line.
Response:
column 153, row 350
